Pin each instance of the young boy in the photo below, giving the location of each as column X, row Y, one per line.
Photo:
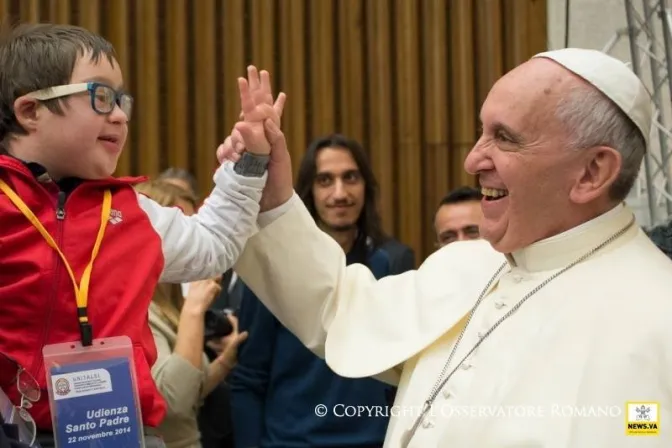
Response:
column 63, row 124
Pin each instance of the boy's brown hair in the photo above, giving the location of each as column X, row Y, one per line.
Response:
column 39, row 56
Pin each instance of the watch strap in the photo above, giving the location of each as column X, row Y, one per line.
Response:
column 251, row 165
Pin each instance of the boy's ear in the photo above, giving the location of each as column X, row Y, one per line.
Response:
column 26, row 111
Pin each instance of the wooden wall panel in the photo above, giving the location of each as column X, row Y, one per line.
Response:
column 436, row 111
column 30, row 10
column 178, row 90
column 292, row 75
column 350, row 53
column 262, row 27
column 204, row 138
column 321, row 112
column 381, row 139
column 408, row 121
column 146, row 122
column 89, row 15
column 60, row 11
column 489, row 57
column 119, row 34
column 404, row 77
column 463, row 108
column 233, row 57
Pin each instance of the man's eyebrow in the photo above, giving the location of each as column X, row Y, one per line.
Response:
column 514, row 136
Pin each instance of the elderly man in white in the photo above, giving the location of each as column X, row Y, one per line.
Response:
column 537, row 336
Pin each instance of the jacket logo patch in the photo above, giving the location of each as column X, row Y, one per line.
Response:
column 115, row 217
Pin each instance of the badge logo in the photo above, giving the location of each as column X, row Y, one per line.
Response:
column 642, row 418
column 62, row 387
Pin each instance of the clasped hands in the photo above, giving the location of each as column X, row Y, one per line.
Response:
column 258, row 132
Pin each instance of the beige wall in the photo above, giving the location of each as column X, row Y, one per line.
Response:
column 593, row 24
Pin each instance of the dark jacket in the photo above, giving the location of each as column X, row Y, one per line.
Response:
column 278, row 382
column 662, row 237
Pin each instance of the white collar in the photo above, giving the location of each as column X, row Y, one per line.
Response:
column 560, row 250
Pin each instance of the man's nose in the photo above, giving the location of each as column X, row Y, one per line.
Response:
column 478, row 159
column 339, row 190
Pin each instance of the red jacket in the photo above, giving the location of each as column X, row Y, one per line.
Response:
column 143, row 243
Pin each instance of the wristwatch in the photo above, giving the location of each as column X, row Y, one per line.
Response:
column 251, row 165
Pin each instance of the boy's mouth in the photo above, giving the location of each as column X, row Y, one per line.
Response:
column 110, row 143
column 109, row 138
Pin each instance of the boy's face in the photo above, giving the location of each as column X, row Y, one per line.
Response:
column 83, row 143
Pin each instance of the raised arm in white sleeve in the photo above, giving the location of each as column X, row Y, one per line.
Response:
column 361, row 326
column 208, row 243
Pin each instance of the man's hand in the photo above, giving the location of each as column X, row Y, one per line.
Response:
column 279, row 185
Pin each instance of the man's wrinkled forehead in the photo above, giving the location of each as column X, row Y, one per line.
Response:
column 528, row 92
column 539, row 78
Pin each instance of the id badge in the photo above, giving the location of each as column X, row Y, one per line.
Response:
column 93, row 394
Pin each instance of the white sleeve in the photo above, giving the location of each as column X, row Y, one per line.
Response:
column 208, row 243
column 268, row 217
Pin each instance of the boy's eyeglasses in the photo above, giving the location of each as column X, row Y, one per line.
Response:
column 29, row 390
column 103, row 97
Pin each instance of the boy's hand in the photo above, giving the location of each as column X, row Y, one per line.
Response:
column 255, row 95
column 232, row 148
column 246, row 134
column 256, row 98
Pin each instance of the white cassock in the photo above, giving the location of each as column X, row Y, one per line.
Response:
column 556, row 374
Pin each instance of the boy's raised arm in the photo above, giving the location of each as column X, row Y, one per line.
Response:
column 208, row 243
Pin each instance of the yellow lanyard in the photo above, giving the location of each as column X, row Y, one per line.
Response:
column 81, row 290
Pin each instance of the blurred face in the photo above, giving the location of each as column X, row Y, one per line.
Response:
column 181, row 183
column 457, row 222
column 525, row 170
column 338, row 189
column 82, row 142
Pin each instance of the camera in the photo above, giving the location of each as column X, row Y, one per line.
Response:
column 217, row 324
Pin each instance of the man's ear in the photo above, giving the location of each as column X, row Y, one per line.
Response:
column 602, row 166
column 27, row 112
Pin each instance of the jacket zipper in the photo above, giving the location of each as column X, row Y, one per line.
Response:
column 60, row 217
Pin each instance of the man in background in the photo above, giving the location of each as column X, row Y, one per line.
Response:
column 458, row 217
column 278, row 383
